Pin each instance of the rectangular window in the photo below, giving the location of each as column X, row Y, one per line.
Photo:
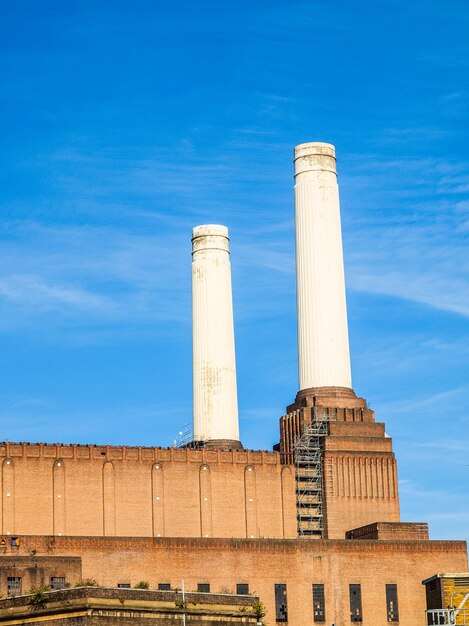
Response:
column 57, row 582
column 319, row 604
column 281, row 613
column 14, row 585
column 391, row 603
column 203, row 587
column 164, row 586
column 242, row 589
column 355, row 603
column 123, row 585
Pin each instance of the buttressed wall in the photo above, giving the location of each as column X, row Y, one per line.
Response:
column 144, row 492
column 359, row 469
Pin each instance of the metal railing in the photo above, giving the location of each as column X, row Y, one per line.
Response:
column 450, row 617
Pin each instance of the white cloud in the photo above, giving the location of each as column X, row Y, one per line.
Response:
column 32, row 292
column 410, row 241
column 88, row 273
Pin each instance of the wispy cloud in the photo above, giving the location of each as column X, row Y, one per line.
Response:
column 448, row 445
column 419, row 253
column 99, row 272
column 31, row 291
column 435, row 401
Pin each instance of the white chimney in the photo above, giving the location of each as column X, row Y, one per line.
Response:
column 323, row 345
column 214, row 368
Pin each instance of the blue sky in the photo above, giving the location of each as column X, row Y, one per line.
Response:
column 124, row 124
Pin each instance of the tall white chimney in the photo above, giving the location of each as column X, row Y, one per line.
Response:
column 214, row 369
column 323, row 345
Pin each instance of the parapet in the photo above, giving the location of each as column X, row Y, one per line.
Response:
column 12, row 450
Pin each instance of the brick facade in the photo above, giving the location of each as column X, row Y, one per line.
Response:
column 358, row 463
column 263, row 563
column 36, row 571
column 169, row 492
column 123, row 491
column 225, row 518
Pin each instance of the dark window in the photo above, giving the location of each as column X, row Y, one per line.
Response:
column 57, row 582
column 281, row 613
column 164, row 586
column 203, row 587
column 242, row 589
column 391, row 603
column 355, row 603
column 14, row 585
column 319, row 605
column 123, row 585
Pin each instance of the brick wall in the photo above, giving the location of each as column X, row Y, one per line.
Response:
column 262, row 563
column 358, row 464
column 91, row 490
column 36, row 571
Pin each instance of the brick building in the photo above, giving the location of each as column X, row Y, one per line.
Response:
column 312, row 527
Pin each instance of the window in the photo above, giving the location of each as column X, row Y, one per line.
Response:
column 281, row 613
column 203, row 587
column 242, row 589
column 164, row 586
column 355, row 603
column 123, row 585
column 14, row 585
column 319, row 606
column 57, row 582
column 391, row 603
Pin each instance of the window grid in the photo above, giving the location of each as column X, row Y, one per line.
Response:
column 203, row 587
column 57, row 582
column 319, row 604
column 391, row 603
column 123, row 585
column 281, row 612
column 14, row 585
column 164, row 586
column 355, row 603
column 242, row 589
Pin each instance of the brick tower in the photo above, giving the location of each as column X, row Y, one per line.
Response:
column 345, row 468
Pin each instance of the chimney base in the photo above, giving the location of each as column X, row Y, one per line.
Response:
column 342, row 397
column 226, row 445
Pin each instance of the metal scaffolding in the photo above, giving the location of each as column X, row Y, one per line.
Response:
column 185, row 438
column 309, row 476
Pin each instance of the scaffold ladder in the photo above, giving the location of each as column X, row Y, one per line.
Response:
column 308, row 455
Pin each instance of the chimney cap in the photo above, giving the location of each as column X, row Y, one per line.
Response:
column 314, row 147
column 210, row 230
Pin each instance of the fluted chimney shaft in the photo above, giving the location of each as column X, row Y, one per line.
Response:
column 323, row 345
column 215, row 402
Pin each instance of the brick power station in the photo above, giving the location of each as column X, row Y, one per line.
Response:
column 312, row 528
